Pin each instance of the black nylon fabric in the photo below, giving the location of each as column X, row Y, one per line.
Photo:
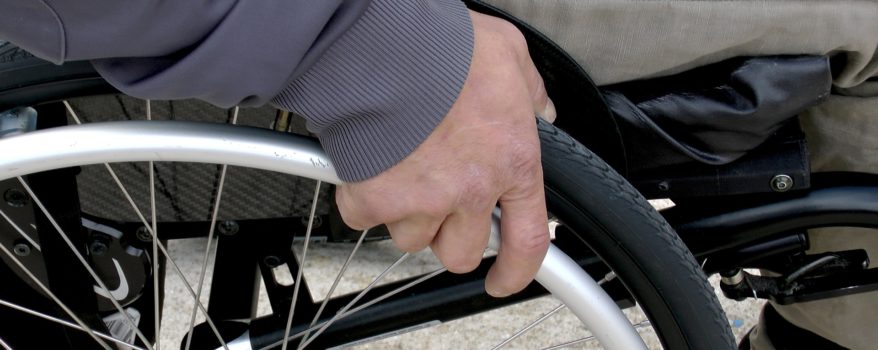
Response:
column 717, row 113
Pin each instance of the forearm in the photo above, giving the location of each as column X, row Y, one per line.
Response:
column 226, row 52
column 373, row 79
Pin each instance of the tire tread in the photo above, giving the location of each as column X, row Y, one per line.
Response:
column 578, row 160
column 10, row 53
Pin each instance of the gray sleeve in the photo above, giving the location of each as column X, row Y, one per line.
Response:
column 372, row 78
column 384, row 86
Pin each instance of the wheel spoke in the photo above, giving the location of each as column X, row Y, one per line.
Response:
column 298, row 281
column 179, row 273
column 210, row 233
column 345, row 312
column 46, row 289
column 66, row 323
column 393, row 292
column 608, row 277
column 335, row 283
column 591, row 337
column 154, row 237
column 155, row 250
column 82, row 261
column 73, row 113
column 206, row 256
column 20, row 231
column 359, row 296
column 529, row 327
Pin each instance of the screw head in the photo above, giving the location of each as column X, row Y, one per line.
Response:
column 21, row 249
column 98, row 248
column 318, row 221
column 229, row 228
column 143, row 235
column 781, row 183
column 272, row 261
column 16, row 198
column 664, row 186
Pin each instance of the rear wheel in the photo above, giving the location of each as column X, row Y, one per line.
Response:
column 596, row 211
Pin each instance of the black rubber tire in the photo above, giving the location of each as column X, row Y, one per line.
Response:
column 27, row 80
column 589, row 197
column 617, row 223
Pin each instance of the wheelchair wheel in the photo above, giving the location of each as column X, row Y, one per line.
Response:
column 602, row 224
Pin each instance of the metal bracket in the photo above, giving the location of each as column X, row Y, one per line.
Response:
column 814, row 277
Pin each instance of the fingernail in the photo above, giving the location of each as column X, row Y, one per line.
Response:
column 549, row 114
column 496, row 293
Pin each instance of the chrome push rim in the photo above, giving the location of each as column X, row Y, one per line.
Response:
column 163, row 141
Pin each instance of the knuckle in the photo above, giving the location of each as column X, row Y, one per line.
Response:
column 534, row 243
column 351, row 217
column 354, row 212
column 436, row 204
column 525, row 160
column 479, row 192
column 513, row 36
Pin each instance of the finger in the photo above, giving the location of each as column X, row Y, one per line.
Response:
column 363, row 206
column 355, row 216
column 414, row 233
column 462, row 239
column 543, row 106
column 525, row 240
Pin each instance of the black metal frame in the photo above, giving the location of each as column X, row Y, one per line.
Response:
column 442, row 298
column 729, row 233
column 764, row 231
column 769, row 231
column 758, row 231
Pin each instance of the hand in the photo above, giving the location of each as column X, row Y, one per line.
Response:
column 485, row 151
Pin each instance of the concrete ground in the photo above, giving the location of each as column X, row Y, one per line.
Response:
column 480, row 332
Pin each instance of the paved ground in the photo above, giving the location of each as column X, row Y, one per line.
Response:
column 476, row 333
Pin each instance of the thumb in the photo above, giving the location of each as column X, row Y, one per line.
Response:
column 548, row 112
column 543, row 106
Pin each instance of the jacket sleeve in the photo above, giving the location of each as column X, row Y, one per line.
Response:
column 373, row 78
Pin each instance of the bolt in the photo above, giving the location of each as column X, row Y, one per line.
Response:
column 21, row 249
column 732, row 277
column 318, row 221
column 664, row 186
column 229, row 228
column 98, row 247
column 143, row 234
column 15, row 198
column 272, row 261
column 781, row 183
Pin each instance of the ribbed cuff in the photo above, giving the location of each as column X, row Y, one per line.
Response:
column 384, row 85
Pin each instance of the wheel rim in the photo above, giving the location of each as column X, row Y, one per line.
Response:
column 189, row 142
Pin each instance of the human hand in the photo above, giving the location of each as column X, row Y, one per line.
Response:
column 485, row 151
